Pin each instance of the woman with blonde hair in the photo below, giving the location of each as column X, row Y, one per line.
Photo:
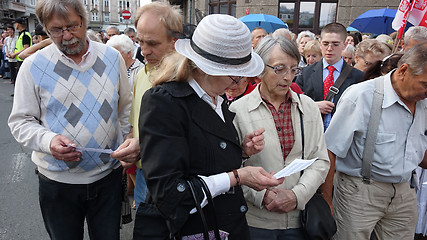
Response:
column 312, row 52
column 186, row 130
column 368, row 52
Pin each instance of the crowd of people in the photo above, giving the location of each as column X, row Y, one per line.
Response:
column 195, row 121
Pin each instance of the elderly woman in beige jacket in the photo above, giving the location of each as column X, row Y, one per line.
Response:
column 275, row 213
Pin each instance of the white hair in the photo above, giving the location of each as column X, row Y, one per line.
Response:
column 123, row 43
column 349, row 48
column 306, row 34
column 283, row 32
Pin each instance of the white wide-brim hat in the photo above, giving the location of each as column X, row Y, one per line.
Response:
column 221, row 46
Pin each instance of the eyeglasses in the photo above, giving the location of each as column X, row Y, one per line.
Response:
column 236, row 79
column 332, row 44
column 282, row 70
column 59, row 32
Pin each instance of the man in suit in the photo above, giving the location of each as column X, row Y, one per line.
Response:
column 314, row 77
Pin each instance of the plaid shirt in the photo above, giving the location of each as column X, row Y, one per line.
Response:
column 283, row 121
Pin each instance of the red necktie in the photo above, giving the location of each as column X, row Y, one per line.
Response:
column 329, row 81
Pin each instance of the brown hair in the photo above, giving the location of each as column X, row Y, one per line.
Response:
column 46, row 8
column 170, row 15
column 335, row 28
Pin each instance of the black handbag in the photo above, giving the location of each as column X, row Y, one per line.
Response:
column 316, row 219
column 156, row 226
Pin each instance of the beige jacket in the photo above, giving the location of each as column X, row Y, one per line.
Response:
column 251, row 114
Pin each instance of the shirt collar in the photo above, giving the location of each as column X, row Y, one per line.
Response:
column 390, row 96
column 338, row 65
column 203, row 95
column 288, row 97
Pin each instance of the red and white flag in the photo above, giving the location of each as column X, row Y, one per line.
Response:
column 414, row 12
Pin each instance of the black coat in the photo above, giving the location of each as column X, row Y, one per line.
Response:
column 311, row 81
column 181, row 135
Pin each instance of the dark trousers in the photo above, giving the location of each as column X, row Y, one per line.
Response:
column 285, row 234
column 65, row 206
column 12, row 69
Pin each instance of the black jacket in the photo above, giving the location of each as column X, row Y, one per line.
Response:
column 311, row 81
column 181, row 136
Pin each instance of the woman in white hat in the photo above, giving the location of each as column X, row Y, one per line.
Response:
column 187, row 130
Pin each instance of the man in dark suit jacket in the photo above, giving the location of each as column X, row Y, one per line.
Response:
column 312, row 78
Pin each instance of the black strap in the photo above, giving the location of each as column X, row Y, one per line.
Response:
column 334, row 89
column 302, row 128
column 212, row 206
column 199, row 209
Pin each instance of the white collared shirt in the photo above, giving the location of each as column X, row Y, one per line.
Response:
column 205, row 97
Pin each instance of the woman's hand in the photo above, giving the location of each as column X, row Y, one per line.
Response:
column 255, row 177
column 285, row 201
column 253, row 143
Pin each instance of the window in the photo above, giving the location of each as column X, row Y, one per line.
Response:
column 309, row 15
column 94, row 16
column 222, row 7
column 106, row 3
column 106, row 17
column 328, row 11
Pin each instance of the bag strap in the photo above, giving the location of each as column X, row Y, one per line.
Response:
column 334, row 89
column 212, row 206
column 373, row 125
column 199, row 209
column 302, row 133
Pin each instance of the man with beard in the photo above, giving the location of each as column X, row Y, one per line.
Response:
column 71, row 106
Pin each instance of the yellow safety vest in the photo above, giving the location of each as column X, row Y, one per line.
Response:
column 19, row 44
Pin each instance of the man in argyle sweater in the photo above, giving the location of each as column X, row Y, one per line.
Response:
column 75, row 93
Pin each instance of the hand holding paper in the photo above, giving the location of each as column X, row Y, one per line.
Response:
column 296, row 166
column 100, row 150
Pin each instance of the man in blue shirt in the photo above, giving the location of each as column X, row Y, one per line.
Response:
column 384, row 204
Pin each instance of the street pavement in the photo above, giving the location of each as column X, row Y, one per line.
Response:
column 20, row 216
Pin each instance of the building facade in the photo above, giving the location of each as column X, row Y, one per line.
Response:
column 12, row 9
column 102, row 13
column 300, row 15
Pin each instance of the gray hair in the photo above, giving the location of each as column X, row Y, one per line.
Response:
column 417, row 33
column 113, row 28
column 349, row 48
column 283, row 32
column 122, row 43
column 129, row 30
column 416, row 59
column 266, row 45
column 306, row 34
column 46, row 8
column 92, row 36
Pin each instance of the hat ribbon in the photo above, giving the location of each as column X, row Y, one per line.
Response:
column 218, row 59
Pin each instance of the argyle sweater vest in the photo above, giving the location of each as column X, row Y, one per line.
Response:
column 81, row 104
